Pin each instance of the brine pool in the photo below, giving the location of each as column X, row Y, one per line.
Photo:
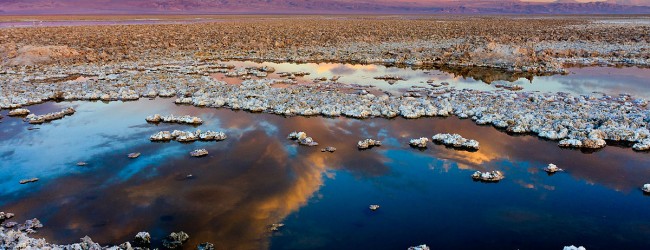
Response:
column 578, row 81
column 257, row 177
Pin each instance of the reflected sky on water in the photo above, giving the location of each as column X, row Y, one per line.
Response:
column 257, row 177
column 579, row 81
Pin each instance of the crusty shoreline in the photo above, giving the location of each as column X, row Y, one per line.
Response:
column 584, row 121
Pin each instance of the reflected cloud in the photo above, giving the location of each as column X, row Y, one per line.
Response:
column 254, row 178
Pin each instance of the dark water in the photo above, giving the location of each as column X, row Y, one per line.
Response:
column 579, row 81
column 257, row 177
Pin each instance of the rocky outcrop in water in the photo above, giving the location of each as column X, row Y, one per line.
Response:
column 187, row 136
column 419, row 143
column 552, row 168
column 185, row 119
column 572, row 247
column 142, row 239
column 4, row 216
column 456, row 141
column 302, row 138
column 493, row 176
column 38, row 119
column 199, row 153
column 420, row 247
column 642, row 145
column 19, row 112
column 646, row 188
column 328, row 149
column 175, row 240
column 276, row 227
column 205, row 246
column 25, row 181
column 368, row 143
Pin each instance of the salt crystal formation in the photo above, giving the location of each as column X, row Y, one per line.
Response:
column 205, row 246
column 420, row 247
column 590, row 119
column 142, row 239
column 572, row 247
column 493, row 176
column 368, row 143
column 328, row 149
column 642, row 145
column 391, row 79
column 276, row 227
column 419, row 143
column 175, row 240
column 456, row 141
column 199, row 153
column 187, row 136
column 17, row 236
column 28, row 180
column 186, row 119
column 4, row 216
column 552, row 168
column 646, row 188
column 302, row 139
column 19, row 112
column 38, row 119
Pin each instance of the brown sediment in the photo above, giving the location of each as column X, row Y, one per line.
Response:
column 513, row 43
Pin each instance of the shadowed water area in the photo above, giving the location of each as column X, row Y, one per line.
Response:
column 257, row 177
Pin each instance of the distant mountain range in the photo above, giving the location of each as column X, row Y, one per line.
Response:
column 322, row 6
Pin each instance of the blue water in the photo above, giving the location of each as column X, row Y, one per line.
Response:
column 257, row 177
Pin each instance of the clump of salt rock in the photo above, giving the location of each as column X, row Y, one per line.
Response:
column 175, row 240
column 572, row 247
column 389, row 77
column 493, row 176
column 593, row 140
column 328, row 149
column 420, row 247
column 456, row 141
column 19, row 112
column 374, row 207
column 368, row 143
column 419, row 143
column 302, row 139
column 642, row 145
column 552, row 168
column 25, row 181
column 646, row 188
column 185, row 119
column 187, row 136
column 276, row 227
column 38, row 119
column 199, row 152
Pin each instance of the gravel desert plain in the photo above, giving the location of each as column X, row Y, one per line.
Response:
column 324, row 131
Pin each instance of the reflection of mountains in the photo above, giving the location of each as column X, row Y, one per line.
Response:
column 487, row 74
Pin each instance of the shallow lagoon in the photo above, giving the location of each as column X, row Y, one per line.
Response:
column 578, row 81
column 257, row 177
